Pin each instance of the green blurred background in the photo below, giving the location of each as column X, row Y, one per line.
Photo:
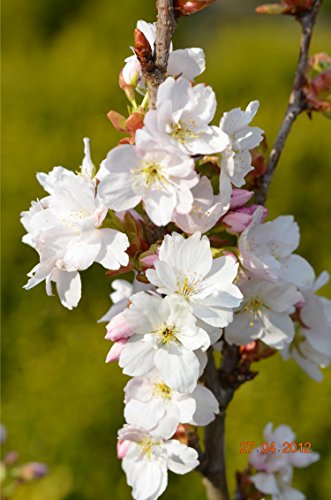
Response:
column 61, row 404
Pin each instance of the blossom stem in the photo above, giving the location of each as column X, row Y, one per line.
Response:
column 296, row 104
column 165, row 28
column 223, row 383
column 213, row 463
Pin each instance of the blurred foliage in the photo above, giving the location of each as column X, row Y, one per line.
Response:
column 61, row 404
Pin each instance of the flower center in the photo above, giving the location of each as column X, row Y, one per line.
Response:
column 182, row 132
column 188, row 286
column 73, row 218
column 152, row 173
column 166, row 334
column 275, row 249
column 253, row 307
column 162, row 390
column 147, row 446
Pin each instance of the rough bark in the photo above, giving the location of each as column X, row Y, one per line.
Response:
column 165, row 28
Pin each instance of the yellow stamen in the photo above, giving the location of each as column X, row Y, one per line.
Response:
column 253, row 307
column 166, row 334
column 187, row 286
column 152, row 173
column 162, row 390
column 147, row 447
column 181, row 132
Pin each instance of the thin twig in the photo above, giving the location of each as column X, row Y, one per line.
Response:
column 296, row 104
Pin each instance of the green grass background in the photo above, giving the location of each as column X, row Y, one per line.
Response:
column 61, row 404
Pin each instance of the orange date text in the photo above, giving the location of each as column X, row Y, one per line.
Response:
column 286, row 447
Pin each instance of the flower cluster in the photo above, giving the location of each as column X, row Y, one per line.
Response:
column 172, row 204
column 271, row 465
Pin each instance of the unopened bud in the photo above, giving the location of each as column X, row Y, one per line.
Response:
column 290, row 7
column 188, row 7
column 271, row 8
column 318, row 84
column 115, row 350
column 237, row 221
column 122, row 448
column 239, row 197
column 143, row 50
column 129, row 77
column 255, row 351
column 182, row 433
column 130, row 73
column 118, row 328
column 149, row 260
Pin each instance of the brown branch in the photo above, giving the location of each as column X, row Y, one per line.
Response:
column 155, row 73
column 223, row 383
column 296, row 104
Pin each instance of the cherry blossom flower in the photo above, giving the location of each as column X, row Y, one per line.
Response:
column 65, row 229
column 264, row 313
column 275, row 469
column 148, row 458
column 161, row 178
column 266, row 249
column 187, row 270
column 311, row 348
column 152, row 405
column 182, row 116
column 165, row 336
column 206, row 209
column 235, row 161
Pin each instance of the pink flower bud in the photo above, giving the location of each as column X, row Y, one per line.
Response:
column 239, row 197
column 118, row 328
column 149, row 260
column 255, row 351
column 122, row 448
column 251, row 210
column 115, row 350
column 237, row 221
